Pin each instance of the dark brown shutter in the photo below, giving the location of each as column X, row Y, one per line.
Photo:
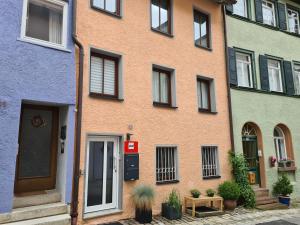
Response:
column 232, row 67
column 288, row 75
column 281, row 16
column 258, row 11
column 264, row 73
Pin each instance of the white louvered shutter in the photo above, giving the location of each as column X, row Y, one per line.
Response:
column 96, row 74
column 109, row 77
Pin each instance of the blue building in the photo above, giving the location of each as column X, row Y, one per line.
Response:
column 37, row 103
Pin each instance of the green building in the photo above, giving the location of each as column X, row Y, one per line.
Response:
column 264, row 73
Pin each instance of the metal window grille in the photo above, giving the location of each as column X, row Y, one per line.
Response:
column 166, row 164
column 210, row 161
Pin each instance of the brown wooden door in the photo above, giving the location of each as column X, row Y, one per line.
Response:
column 38, row 143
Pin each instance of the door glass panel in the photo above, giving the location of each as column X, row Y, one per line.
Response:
column 95, row 179
column 110, row 171
column 35, row 144
column 250, row 153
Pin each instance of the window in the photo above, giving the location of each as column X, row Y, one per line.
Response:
column 166, row 164
column 203, row 88
column 161, row 86
column 210, row 162
column 244, row 70
column 161, row 15
column 201, row 29
column 240, row 8
column 279, row 141
column 269, row 13
column 111, row 6
column 297, row 78
column 104, row 75
column 293, row 21
column 275, row 79
column 45, row 21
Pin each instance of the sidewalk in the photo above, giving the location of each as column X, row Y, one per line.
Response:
column 239, row 217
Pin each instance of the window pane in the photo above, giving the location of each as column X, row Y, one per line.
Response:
column 297, row 79
column 110, row 171
column 164, row 26
column 244, row 71
column 210, row 161
column 274, row 75
column 155, row 14
column 166, row 164
column 99, row 3
column 45, row 22
column 203, row 32
column 164, row 88
column 196, row 29
column 293, row 21
column 268, row 13
column 240, row 8
column 111, row 6
column 204, row 95
column 96, row 74
column 109, row 77
column 155, row 83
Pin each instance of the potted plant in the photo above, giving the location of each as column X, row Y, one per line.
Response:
column 210, row 193
column 172, row 208
column 195, row 193
column 283, row 188
column 143, row 197
column 230, row 192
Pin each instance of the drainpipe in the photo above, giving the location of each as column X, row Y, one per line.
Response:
column 76, row 167
column 227, row 76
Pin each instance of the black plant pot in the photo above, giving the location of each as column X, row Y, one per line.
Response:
column 143, row 216
column 170, row 212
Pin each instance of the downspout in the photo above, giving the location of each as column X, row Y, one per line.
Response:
column 76, row 168
column 227, row 78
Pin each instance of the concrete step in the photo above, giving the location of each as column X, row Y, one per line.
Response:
column 272, row 206
column 40, row 199
column 261, row 192
column 63, row 219
column 33, row 212
column 265, row 200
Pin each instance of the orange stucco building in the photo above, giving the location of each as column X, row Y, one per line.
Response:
column 156, row 70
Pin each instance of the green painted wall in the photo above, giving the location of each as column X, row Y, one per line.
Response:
column 265, row 110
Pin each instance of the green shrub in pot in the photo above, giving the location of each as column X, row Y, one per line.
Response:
column 283, row 188
column 195, row 193
column 210, row 192
column 172, row 208
column 230, row 192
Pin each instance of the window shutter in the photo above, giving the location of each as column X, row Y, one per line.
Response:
column 258, row 11
column 288, row 75
column 96, row 74
column 109, row 77
column 229, row 8
column 264, row 74
column 232, row 66
column 282, row 16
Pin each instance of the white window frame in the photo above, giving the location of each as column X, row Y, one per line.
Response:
column 166, row 170
column 298, row 21
column 215, row 169
column 277, row 140
column 245, row 63
column 296, row 76
column 39, row 41
column 265, row 5
column 245, row 7
column 271, row 73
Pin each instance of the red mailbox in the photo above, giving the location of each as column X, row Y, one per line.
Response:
column 131, row 147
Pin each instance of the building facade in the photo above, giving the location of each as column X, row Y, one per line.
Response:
column 154, row 71
column 37, row 101
column 263, row 54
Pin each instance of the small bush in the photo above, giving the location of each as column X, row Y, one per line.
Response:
column 143, row 197
column 283, row 186
column 229, row 190
column 210, row 192
column 174, row 200
column 195, row 193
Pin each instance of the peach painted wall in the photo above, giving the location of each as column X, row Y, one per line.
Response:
column 185, row 127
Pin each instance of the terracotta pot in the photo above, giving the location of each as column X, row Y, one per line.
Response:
column 230, row 204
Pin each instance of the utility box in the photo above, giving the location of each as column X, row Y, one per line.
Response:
column 252, row 178
column 131, row 167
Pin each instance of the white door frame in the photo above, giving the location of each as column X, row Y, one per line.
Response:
column 115, row 187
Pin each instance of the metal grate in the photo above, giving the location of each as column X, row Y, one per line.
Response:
column 166, row 164
column 210, row 161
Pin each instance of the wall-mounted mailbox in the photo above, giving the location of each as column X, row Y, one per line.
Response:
column 131, row 167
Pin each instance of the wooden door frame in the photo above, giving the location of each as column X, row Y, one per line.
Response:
column 40, row 183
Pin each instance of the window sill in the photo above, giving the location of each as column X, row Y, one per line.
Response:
column 105, row 97
column 202, row 47
column 167, row 182
column 101, row 213
column 263, row 91
column 287, row 169
column 161, row 32
column 106, row 12
column 44, row 44
column 206, row 111
column 164, row 105
column 211, row 178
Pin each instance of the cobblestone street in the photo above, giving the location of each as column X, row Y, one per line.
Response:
column 239, row 217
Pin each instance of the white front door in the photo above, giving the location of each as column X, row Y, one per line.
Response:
column 101, row 190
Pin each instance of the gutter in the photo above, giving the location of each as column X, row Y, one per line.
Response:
column 76, row 167
column 227, row 78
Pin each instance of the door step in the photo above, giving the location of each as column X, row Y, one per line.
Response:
column 48, row 197
column 63, row 219
column 33, row 212
column 265, row 200
column 272, row 206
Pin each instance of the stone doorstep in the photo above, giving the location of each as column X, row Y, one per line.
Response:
column 63, row 219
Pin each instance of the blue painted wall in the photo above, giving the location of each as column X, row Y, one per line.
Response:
column 33, row 73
